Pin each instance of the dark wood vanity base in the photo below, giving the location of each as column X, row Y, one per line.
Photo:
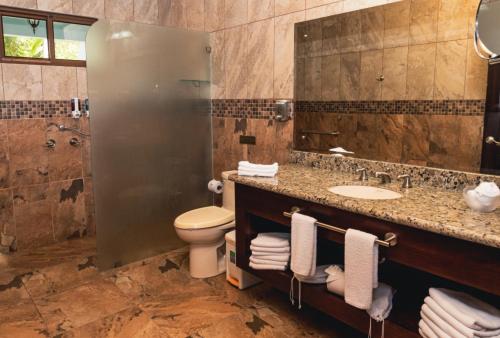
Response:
column 420, row 260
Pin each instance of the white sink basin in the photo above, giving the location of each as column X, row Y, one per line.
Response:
column 364, row 192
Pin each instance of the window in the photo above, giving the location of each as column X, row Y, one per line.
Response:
column 37, row 37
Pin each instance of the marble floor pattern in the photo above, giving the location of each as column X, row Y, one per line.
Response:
column 57, row 291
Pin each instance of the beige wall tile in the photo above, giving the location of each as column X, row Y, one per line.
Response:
column 218, row 76
column 423, row 21
column 350, row 65
column 122, row 10
column 260, row 9
column 284, row 54
column 350, row 5
column 421, row 67
column 235, row 13
column 59, row 83
column 195, row 15
column 452, row 20
column 372, row 29
column 172, row 13
column 22, row 82
column 330, row 78
column 214, row 15
column 397, row 24
column 235, row 57
column 316, row 3
column 19, row 3
column 395, row 64
column 146, row 11
column 451, row 59
column 476, row 78
column 371, row 68
column 81, row 80
column 61, row 6
column 287, row 6
column 260, row 59
column 94, row 8
column 323, row 11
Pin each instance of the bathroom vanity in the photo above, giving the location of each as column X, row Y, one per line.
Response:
column 439, row 241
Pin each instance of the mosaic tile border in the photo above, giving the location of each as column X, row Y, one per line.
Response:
column 423, row 176
column 11, row 110
column 244, row 108
column 409, row 107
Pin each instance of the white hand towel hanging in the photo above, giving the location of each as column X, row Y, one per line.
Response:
column 361, row 268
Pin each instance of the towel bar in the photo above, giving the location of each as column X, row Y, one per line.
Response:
column 390, row 238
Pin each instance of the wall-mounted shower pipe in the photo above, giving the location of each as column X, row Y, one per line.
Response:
column 62, row 127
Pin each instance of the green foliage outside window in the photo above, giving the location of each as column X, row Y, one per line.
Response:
column 20, row 46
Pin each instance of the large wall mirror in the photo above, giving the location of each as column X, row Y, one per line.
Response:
column 400, row 83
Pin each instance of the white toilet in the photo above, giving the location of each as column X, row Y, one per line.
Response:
column 204, row 230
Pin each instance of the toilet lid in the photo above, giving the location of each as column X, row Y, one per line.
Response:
column 204, row 218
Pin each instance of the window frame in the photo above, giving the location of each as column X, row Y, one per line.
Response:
column 49, row 17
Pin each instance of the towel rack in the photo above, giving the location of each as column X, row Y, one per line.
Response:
column 390, row 238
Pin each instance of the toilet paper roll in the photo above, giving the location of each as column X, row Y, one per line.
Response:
column 215, row 186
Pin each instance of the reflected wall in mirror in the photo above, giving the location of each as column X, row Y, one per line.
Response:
column 487, row 32
column 400, row 83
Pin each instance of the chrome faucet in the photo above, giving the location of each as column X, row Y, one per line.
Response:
column 406, row 181
column 384, row 177
column 363, row 174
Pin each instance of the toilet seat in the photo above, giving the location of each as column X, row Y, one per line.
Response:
column 203, row 218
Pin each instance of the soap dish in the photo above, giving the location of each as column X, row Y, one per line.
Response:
column 478, row 202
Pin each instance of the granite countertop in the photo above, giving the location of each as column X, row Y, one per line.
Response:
column 440, row 211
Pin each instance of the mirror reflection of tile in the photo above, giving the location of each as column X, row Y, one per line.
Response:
column 400, row 82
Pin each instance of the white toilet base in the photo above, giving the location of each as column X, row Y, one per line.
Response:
column 204, row 261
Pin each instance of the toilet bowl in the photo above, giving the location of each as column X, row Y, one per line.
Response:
column 204, row 230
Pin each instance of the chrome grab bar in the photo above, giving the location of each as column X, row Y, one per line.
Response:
column 390, row 238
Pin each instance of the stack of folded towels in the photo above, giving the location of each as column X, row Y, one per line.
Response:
column 246, row 168
column 448, row 313
column 270, row 251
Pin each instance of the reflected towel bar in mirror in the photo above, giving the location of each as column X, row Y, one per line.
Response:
column 390, row 239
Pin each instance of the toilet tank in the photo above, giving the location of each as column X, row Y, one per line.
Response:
column 228, row 190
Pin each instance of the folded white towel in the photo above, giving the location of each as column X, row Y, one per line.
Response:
column 272, row 240
column 464, row 330
column 257, row 260
column 361, row 268
column 267, row 267
column 248, row 165
column 276, row 258
column 255, row 173
column 468, row 310
column 335, row 280
column 434, row 327
column 318, row 278
column 268, row 251
column 259, row 170
column 304, row 231
column 426, row 330
column 382, row 302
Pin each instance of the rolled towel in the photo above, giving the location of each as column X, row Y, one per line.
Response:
column 464, row 330
column 268, row 251
column 434, row 328
column 272, row 240
column 468, row 310
column 442, row 324
column 257, row 260
column 382, row 302
column 267, row 267
column 319, row 277
column 276, row 258
column 335, row 279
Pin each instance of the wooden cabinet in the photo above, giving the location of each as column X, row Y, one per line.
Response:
column 421, row 259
